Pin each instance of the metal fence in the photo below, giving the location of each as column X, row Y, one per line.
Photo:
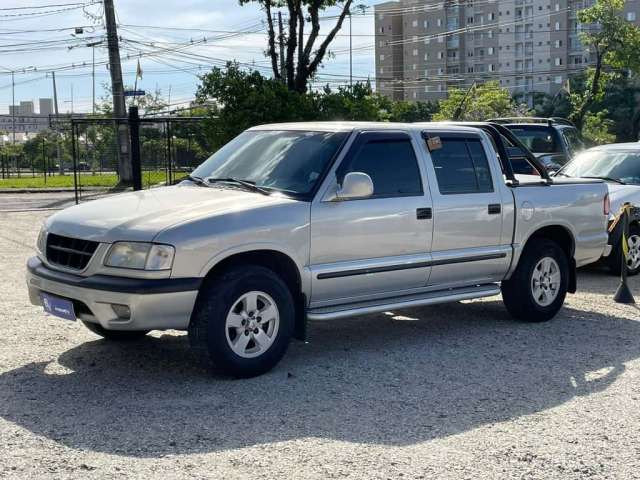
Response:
column 78, row 158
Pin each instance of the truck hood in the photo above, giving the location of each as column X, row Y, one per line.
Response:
column 621, row 194
column 140, row 216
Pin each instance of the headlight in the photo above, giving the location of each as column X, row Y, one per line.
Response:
column 140, row 256
column 41, row 242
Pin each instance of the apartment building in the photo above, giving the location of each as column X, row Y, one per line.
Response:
column 425, row 47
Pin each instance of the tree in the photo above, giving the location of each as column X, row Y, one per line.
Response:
column 239, row 99
column 597, row 128
column 302, row 58
column 478, row 103
column 614, row 43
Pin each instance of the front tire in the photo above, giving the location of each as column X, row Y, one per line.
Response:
column 243, row 321
column 115, row 335
column 537, row 289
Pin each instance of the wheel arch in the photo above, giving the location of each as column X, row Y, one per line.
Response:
column 564, row 238
column 277, row 261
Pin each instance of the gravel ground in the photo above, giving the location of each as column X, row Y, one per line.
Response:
column 455, row 391
column 26, row 201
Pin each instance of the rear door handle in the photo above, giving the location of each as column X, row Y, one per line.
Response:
column 494, row 208
column 424, row 213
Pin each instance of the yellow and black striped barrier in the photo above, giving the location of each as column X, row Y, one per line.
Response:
column 623, row 293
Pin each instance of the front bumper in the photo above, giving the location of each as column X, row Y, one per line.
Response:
column 155, row 304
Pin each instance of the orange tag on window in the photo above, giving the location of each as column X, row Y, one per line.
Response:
column 434, row 143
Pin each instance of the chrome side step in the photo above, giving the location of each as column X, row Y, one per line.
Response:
column 406, row 301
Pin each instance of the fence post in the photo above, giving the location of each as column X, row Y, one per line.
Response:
column 44, row 160
column 134, row 130
column 168, row 174
column 75, row 160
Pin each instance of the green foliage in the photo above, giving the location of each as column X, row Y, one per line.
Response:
column 614, row 43
column 239, row 100
column 479, row 103
column 597, row 128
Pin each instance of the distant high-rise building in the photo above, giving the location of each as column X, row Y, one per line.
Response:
column 425, row 47
column 46, row 106
column 26, row 107
column 14, row 110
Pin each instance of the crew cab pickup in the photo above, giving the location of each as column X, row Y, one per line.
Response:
column 318, row 221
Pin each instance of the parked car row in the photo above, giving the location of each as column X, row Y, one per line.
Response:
column 289, row 223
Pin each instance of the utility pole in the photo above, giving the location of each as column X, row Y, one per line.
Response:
column 93, row 79
column 350, row 53
column 283, row 70
column 55, row 107
column 13, row 105
column 117, row 90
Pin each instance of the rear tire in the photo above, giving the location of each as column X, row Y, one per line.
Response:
column 537, row 289
column 614, row 260
column 115, row 335
column 243, row 321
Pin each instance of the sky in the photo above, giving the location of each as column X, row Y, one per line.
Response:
column 36, row 41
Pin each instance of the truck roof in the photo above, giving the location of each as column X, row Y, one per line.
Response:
column 353, row 126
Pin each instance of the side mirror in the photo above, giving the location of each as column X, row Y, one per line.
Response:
column 355, row 185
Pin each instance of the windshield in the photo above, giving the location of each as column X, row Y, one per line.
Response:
column 536, row 139
column 287, row 161
column 617, row 165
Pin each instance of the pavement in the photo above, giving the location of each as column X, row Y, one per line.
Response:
column 454, row 391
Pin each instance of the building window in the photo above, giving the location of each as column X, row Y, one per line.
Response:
column 382, row 57
column 491, row 16
column 558, row 61
column 439, row 22
column 415, row 52
column 490, row 50
column 558, row 43
column 557, row 25
column 440, row 38
column 631, row 16
column 414, row 23
column 440, row 55
column 558, row 79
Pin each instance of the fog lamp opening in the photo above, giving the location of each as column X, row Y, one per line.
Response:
column 122, row 311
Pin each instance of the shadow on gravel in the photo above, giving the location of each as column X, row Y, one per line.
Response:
column 385, row 379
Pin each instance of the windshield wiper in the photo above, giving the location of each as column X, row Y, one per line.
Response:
column 196, row 180
column 609, row 179
column 247, row 184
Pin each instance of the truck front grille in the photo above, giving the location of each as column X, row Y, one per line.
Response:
column 69, row 252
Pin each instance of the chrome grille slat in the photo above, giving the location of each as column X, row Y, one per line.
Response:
column 68, row 252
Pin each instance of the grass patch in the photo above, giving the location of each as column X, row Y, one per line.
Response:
column 149, row 178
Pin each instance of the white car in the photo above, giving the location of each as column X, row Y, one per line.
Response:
column 619, row 165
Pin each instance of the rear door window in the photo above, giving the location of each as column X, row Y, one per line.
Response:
column 461, row 166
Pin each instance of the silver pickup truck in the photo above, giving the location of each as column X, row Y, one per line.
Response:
column 318, row 221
